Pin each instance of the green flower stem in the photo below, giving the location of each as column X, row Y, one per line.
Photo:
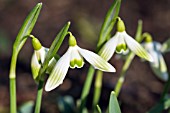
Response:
column 97, row 89
column 129, row 59
column 122, row 74
column 39, row 97
column 106, row 29
column 13, row 106
column 86, row 88
column 12, row 77
column 25, row 30
column 165, row 90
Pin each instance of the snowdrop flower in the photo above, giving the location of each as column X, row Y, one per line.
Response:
column 73, row 58
column 38, row 58
column 120, row 42
column 158, row 65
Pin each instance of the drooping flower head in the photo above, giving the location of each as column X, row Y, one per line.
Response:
column 73, row 58
column 38, row 58
column 121, row 42
column 158, row 65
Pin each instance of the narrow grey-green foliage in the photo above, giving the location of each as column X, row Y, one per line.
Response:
column 51, row 53
column 164, row 102
column 128, row 61
column 166, row 46
column 27, row 107
column 109, row 22
column 104, row 33
column 26, row 28
column 97, row 88
column 99, row 109
column 113, row 104
column 161, row 106
column 54, row 47
column 139, row 32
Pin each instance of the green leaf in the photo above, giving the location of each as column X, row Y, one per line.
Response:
column 159, row 107
column 113, row 104
column 138, row 36
column 166, row 46
column 54, row 47
column 26, row 28
column 66, row 104
column 99, row 109
column 26, row 107
column 109, row 22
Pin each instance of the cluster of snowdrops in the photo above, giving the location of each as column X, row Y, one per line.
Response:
column 47, row 61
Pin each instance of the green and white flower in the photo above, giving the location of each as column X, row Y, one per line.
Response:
column 120, row 42
column 38, row 58
column 74, row 58
column 158, row 65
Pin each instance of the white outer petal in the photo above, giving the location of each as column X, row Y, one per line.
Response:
column 163, row 67
column 108, row 49
column 158, row 66
column 161, row 70
column 157, row 45
column 51, row 65
column 59, row 72
column 155, row 56
column 35, row 66
column 41, row 53
column 137, row 48
column 148, row 46
column 96, row 61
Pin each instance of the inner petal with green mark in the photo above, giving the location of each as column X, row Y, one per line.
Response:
column 76, row 63
column 76, row 59
column 121, row 46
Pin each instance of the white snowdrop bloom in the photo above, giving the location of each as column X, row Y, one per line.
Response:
column 38, row 58
column 158, row 65
column 74, row 58
column 121, row 42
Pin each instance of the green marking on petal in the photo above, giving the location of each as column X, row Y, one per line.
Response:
column 76, row 63
column 72, row 64
column 79, row 62
column 120, row 48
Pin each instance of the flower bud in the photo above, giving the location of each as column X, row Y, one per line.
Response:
column 36, row 43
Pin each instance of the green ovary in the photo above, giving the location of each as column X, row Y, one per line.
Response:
column 120, row 48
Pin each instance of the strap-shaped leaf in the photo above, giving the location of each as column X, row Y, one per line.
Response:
column 109, row 22
column 26, row 28
column 113, row 104
column 27, row 107
column 166, row 46
column 160, row 107
column 54, row 47
column 99, row 109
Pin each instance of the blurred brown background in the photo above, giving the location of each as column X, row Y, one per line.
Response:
column 141, row 89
